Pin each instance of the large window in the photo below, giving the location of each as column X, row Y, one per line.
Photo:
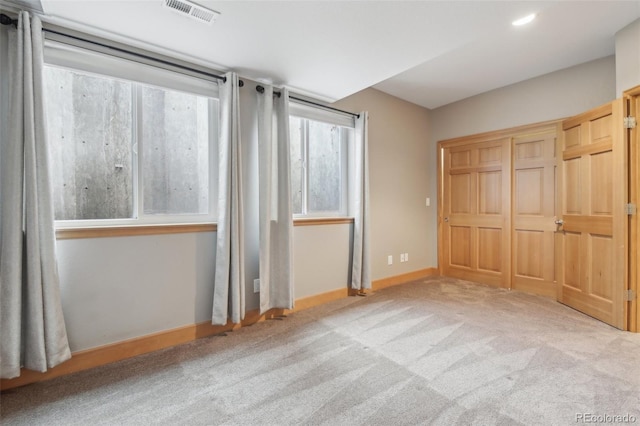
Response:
column 318, row 167
column 126, row 152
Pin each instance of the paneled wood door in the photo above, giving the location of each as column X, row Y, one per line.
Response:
column 591, row 264
column 534, row 211
column 475, row 222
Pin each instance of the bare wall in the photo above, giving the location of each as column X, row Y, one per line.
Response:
column 321, row 259
column 400, row 181
column 119, row 288
column 628, row 57
column 556, row 95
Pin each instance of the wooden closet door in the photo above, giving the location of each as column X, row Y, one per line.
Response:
column 475, row 219
column 592, row 245
column 534, row 211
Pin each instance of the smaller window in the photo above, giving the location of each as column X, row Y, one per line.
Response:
column 318, row 167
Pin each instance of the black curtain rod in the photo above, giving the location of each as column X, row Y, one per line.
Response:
column 353, row 114
column 260, row 89
column 6, row 20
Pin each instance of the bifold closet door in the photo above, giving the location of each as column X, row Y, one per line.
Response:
column 475, row 221
column 534, row 211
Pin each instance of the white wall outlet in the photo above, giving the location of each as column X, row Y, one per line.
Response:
column 390, row 260
column 406, row 257
column 256, row 285
column 401, row 257
column 428, row 201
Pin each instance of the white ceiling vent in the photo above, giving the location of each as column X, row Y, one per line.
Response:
column 192, row 10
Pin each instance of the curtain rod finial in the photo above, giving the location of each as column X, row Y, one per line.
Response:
column 6, row 20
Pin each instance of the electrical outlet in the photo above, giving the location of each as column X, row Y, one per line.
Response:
column 401, row 257
column 428, row 202
column 390, row 260
column 256, row 285
column 406, row 257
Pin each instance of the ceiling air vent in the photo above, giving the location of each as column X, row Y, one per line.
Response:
column 192, row 10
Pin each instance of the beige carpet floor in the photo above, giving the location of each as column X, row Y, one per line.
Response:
column 436, row 351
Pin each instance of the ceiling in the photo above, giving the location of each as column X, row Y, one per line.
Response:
column 427, row 52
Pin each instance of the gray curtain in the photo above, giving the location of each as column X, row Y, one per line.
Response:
column 33, row 333
column 275, row 211
column 228, row 292
column 361, row 269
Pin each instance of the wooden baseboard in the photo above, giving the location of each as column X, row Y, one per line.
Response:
column 403, row 278
column 95, row 357
column 319, row 299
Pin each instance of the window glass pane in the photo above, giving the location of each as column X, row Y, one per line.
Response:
column 324, row 169
column 295, row 136
column 89, row 122
column 175, row 147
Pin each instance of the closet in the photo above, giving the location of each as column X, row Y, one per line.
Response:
column 541, row 209
column 497, row 209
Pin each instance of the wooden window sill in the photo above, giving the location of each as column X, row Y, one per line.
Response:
column 312, row 221
column 130, row 230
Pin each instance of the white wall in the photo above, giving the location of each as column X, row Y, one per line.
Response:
column 399, row 182
column 123, row 287
column 249, row 146
column 628, row 57
column 552, row 96
column 321, row 259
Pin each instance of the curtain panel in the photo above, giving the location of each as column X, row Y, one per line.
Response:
column 228, row 292
column 275, row 208
column 33, row 332
column 361, row 269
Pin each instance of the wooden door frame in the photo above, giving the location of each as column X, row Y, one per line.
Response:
column 633, row 271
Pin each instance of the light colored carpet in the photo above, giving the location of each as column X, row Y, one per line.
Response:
column 435, row 351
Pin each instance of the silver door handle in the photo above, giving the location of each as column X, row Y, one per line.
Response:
column 559, row 222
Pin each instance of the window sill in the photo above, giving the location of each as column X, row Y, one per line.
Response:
column 321, row 221
column 130, row 230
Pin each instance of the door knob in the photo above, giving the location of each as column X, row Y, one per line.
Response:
column 446, row 219
column 559, row 222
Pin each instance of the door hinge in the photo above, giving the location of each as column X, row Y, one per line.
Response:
column 630, row 122
column 630, row 209
column 630, row 295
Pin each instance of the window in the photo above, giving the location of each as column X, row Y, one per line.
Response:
column 318, row 167
column 124, row 151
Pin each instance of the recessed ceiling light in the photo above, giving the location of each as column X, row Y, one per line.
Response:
column 524, row 21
